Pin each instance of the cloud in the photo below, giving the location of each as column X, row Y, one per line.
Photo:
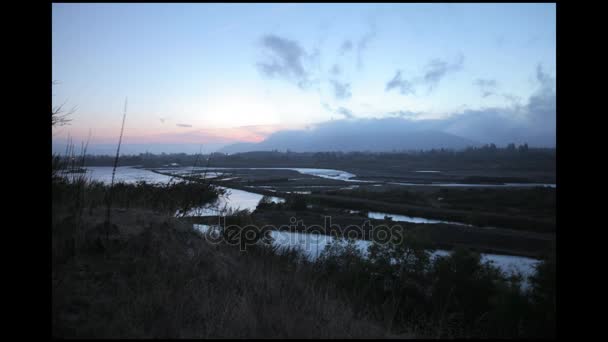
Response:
column 545, row 80
column 437, row 69
column 363, row 42
column 326, row 106
column 404, row 114
column 486, row 86
column 341, row 90
column 287, row 60
column 405, row 86
column 542, row 104
column 335, row 70
column 183, row 125
column 533, row 122
column 513, row 99
column 347, row 113
column 346, row 47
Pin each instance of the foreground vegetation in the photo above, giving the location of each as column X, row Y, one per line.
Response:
column 166, row 281
column 148, row 274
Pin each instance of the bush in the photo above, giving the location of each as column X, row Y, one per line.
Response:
column 165, row 198
column 295, row 202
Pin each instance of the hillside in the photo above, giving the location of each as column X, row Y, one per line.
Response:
column 374, row 135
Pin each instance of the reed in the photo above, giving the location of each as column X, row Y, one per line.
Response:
column 109, row 201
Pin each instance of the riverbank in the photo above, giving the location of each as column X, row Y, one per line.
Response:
column 440, row 236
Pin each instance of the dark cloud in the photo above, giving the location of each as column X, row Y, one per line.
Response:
column 347, row 113
column 486, row 86
column 341, row 89
column 314, row 59
column 513, row 99
column 183, row 125
column 437, row 69
column 545, row 80
column 404, row 86
column 542, row 104
column 346, row 47
column 287, row 60
column 335, row 70
column 363, row 43
column 532, row 122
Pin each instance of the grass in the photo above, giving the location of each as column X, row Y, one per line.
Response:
column 521, row 209
column 167, row 281
column 111, row 190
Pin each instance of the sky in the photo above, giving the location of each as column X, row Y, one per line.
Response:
column 214, row 74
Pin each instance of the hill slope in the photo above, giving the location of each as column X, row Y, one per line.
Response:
column 358, row 135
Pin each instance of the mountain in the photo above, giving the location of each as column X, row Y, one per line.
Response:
column 373, row 135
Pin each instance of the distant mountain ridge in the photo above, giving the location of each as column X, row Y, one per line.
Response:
column 374, row 135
